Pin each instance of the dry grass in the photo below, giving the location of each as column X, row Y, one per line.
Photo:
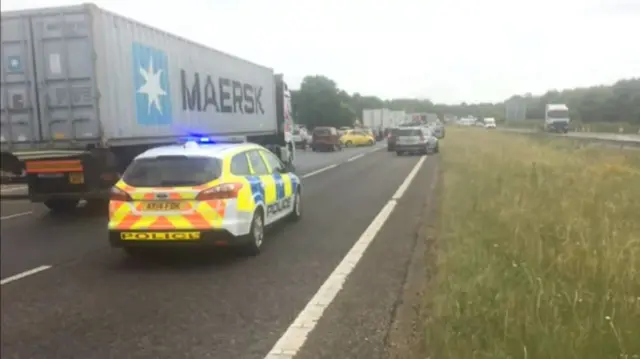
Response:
column 602, row 127
column 539, row 253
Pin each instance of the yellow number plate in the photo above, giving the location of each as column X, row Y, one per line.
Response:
column 159, row 236
column 76, row 178
column 164, row 206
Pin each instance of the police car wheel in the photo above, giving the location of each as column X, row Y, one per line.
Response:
column 296, row 213
column 255, row 237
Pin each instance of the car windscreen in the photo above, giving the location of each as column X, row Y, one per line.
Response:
column 407, row 132
column 172, row 171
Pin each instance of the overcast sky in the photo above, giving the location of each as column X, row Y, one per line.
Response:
column 445, row 50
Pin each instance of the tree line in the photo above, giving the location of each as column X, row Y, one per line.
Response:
column 320, row 101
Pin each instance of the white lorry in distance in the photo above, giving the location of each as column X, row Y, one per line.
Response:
column 556, row 118
column 490, row 123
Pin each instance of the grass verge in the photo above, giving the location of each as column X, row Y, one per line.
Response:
column 601, row 127
column 539, row 250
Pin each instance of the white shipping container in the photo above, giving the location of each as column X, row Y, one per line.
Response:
column 369, row 117
column 397, row 118
column 78, row 75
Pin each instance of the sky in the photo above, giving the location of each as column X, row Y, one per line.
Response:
column 448, row 51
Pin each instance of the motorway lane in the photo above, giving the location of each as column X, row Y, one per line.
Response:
column 105, row 306
column 28, row 230
column 306, row 161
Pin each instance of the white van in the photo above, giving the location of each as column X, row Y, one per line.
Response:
column 490, row 122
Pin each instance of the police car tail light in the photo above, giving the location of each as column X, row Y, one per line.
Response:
column 221, row 191
column 119, row 195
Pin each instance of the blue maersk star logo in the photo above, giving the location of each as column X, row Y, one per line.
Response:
column 152, row 87
column 151, row 82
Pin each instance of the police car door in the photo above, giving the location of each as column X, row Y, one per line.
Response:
column 259, row 169
column 284, row 184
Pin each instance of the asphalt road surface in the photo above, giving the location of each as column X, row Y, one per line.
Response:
column 66, row 294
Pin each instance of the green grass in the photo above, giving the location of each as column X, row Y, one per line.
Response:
column 539, row 250
column 626, row 128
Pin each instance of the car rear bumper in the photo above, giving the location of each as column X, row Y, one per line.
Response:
column 411, row 148
column 208, row 238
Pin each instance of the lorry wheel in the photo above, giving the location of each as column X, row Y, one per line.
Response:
column 61, row 205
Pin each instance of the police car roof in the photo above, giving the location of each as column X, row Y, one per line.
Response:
column 194, row 149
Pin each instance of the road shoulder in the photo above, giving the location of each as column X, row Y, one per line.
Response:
column 377, row 313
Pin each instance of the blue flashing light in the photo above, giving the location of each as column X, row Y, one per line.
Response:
column 199, row 139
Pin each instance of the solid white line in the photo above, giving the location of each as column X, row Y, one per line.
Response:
column 319, row 171
column 12, row 189
column 15, row 215
column 24, row 274
column 403, row 187
column 355, row 157
column 292, row 340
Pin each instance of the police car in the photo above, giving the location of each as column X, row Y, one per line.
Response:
column 205, row 194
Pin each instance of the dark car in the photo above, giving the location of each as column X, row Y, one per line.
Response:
column 325, row 138
column 392, row 137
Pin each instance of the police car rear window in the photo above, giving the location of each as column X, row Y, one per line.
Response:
column 172, row 171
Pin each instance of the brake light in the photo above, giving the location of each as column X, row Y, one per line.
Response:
column 221, row 191
column 117, row 194
column 421, row 137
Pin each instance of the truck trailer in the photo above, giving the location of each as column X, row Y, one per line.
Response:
column 84, row 91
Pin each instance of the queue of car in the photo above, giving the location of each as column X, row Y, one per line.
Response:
column 206, row 194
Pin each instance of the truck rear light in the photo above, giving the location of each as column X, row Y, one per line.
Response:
column 119, row 195
column 221, row 191
column 422, row 137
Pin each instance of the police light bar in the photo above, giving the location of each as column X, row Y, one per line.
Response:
column 212, row 139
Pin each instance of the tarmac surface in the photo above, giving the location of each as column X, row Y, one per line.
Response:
column 67, row 294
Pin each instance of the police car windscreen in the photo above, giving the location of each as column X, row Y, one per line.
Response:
column 172, row 171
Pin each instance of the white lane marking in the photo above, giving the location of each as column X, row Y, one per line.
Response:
column 320, row 170
column 12, row 189
column 355, row 157
column 15, row 215
column 24, row 274
column 403, row 187
column 292, row 340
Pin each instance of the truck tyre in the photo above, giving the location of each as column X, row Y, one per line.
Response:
column 61, row 205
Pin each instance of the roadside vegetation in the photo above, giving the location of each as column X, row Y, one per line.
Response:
column 604, row 108
column 539, row 250
column 605, row 127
